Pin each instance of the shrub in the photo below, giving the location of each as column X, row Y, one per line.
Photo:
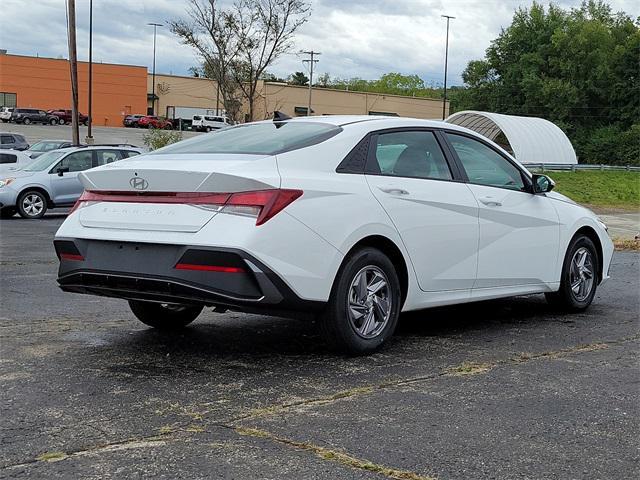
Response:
column 155, row 139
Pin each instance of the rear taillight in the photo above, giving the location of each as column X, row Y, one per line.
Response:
column 261, row 204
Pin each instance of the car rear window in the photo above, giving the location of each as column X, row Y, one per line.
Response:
column 268, row 138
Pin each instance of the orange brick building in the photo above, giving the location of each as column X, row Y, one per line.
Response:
column 45, row 83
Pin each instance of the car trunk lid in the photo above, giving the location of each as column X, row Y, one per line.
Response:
column 171, row 192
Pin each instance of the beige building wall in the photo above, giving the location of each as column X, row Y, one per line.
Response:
column 178, row 91
column 325, row 101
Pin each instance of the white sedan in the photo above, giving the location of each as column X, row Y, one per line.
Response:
column 350, row 219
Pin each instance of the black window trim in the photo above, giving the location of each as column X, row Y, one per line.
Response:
column 94, row 161
column 525, row 175
column 372, row 136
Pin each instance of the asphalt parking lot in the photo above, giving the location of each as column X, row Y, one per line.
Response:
column 502, row 389
column 35, row 133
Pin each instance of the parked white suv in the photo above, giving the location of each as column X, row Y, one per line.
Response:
column 5, row 114
column 206, row 123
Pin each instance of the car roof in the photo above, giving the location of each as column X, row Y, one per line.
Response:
column 99, row 147
column 13, row 133
column 341, row 120
column 53, row 140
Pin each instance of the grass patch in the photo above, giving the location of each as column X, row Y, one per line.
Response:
column 335, row 456
column 604, row 189
column 52, row 456
column 626, row 244
column 470, row 368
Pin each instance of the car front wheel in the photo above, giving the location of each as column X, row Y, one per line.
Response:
column 164, row 316
column 365, row 303
column 53, row 121
column 579, row 278
column 26, row 121
column 32, row 204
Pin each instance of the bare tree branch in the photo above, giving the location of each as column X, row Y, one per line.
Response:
column 239, row 43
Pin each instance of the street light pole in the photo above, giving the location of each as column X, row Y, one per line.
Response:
column 446, row 58
column 153, row 75
column 89, row 138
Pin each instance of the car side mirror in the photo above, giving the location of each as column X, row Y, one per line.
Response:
column 62, row 171
column 542, row 183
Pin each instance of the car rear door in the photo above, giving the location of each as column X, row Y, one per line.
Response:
column 66, row 188
column 519, row 231
column 434, row 212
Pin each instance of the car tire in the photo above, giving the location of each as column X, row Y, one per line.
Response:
column 7, row 212
column 365, row 303
column 579, row 279
column 32, row 204
column 85, row 123
column 53, row 121
column 26, row 121
column 208, row 129
column 164, row 316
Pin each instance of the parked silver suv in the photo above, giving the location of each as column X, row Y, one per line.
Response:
column 51, row 181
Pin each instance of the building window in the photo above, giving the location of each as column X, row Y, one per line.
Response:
column 302, row 111
column 8, row 99
column 384, row 114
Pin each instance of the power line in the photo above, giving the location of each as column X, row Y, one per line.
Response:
column 311, row 61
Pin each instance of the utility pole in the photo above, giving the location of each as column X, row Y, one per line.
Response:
column 153, row 75
column 89, row 138
column 446, row 58
column 73, row 64
column 311, row 61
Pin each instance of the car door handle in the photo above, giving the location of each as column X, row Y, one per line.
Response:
column 490, row 201
column 394, row 190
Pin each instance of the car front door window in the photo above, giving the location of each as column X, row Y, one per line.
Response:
column 485, row 166
column 75, row 162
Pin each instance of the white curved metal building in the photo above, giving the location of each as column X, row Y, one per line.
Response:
column 529, row 139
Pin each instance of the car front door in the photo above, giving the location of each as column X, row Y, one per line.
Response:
column 519, row 231
column 435, row 214
column 66, row 188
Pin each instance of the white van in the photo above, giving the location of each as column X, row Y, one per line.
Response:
column 206, row 123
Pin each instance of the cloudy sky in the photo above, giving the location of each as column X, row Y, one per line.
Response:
column 363, row 38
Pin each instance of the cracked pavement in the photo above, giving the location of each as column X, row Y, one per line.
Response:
column 501, row 389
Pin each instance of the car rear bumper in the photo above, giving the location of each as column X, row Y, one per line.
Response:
column 176, row 274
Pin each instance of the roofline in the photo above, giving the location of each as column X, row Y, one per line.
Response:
column 377, row 94
column 37, row 57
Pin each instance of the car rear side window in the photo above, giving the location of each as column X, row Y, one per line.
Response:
column 414, row 154
column 8, row 158
column 266, row 138
column 485, row 166
column 107, row 156
column 6, row 139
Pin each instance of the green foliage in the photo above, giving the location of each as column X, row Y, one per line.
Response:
column 604, row 189
column 298, row 78
column 577, row 68
column 390, row 83
column 156, row 138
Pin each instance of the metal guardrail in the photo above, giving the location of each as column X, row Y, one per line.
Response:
column 575, row 167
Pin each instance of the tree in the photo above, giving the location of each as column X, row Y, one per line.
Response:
column 239, row 42
column 577, row 68
column 298, row 78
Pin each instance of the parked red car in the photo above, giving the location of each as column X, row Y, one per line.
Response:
column 151, row 121
column 66, row 115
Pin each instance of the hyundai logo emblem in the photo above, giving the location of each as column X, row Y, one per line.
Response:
column 139, row 183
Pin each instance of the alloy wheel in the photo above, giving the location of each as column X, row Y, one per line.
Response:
column 369, row 302
column 581, row 276
column 33, row 204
